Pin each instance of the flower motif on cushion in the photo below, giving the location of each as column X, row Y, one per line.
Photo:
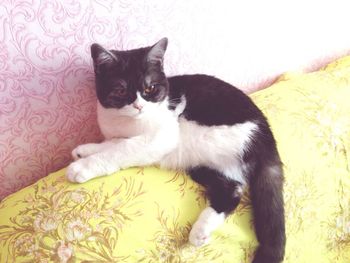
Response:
column 77, row 230
column 46, row 221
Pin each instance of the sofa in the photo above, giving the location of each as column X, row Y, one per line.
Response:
column 47, row 107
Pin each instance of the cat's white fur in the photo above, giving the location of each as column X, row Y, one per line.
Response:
column 206, row 223
column 146, row 133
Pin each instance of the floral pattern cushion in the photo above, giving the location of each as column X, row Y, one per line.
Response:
column 145, row 214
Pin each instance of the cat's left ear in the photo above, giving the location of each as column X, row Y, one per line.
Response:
column 156, row 54
column 102, row 56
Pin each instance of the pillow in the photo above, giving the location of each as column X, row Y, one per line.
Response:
column 145, row 214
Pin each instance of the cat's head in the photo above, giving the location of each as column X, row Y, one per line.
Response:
column 131, row 81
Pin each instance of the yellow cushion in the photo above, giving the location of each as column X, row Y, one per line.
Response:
column 145, row 214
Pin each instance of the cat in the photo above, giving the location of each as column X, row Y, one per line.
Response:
column 193, row 123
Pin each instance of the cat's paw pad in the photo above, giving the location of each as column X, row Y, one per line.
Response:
column 78, row 172
column 199, row 235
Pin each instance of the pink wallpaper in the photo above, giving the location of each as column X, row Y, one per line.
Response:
column 46, row 85
column 46, row 82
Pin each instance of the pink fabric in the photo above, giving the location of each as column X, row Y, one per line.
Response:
column 47, row 104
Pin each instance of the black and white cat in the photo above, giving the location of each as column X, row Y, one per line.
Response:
column 194, row 123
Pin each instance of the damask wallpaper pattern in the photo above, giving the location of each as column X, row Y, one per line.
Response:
column 46, row 95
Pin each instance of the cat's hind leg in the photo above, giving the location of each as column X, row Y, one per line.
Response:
column 224, row 195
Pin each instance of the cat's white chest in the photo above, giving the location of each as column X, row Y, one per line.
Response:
column 112, row 125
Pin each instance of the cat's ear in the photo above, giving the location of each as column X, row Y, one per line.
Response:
column 102, row 56
column 157, row 51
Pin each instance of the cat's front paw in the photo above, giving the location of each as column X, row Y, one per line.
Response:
column 80, row 171
column 199, row 235
column 206, row 223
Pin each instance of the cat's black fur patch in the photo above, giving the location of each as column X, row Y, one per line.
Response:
column 210, row 101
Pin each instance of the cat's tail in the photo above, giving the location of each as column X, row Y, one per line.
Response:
column 266, row 190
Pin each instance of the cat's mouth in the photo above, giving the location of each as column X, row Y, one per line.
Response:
column 131, row 111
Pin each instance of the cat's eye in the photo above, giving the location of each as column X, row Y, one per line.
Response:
column 150, row 89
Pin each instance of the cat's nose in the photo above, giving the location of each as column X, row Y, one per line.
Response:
column 137, row 106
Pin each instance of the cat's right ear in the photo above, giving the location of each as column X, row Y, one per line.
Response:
column 157, row 51
column 101, row 57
